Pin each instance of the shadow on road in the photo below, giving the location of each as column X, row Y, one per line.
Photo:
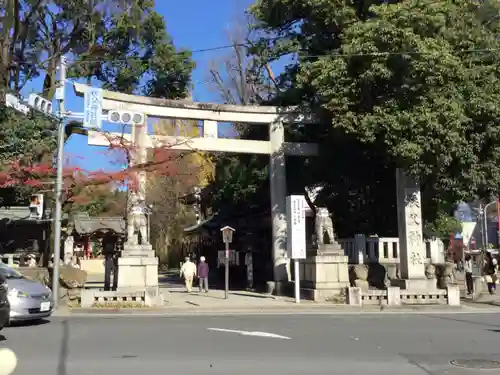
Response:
column 3, row 338
column 263, row 296
column 64, row 350
column 465, row 321
column 170, row 280
column 29, row 323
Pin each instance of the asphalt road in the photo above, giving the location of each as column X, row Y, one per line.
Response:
column 318, row 344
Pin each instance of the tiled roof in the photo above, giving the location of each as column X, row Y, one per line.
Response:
column 84, row 224
column 14, row 213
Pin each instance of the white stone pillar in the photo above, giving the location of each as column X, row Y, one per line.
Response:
column 69, row 249
column 277, row 176
column 437, row 251
column 141, row 157
column 359, row 249
column 411, row 244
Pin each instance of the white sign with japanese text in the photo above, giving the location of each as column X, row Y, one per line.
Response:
column 296, row 226
column 92, row 108
column 233, row 258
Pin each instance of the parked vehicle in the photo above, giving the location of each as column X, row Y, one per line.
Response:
column 28, row 299
column 4, row 303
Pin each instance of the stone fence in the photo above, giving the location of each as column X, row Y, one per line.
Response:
column 394, row 296
column 18, row 259
column 361, row 249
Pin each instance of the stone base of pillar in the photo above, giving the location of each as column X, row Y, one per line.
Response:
column 423, row 284
column 324, row 274
column 138, row 271
column 138, row 251
column 281, row 284
column 333, row 248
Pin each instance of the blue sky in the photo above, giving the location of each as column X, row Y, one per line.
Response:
column 193, row 24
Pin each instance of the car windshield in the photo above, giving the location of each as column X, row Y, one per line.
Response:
column 9, row 273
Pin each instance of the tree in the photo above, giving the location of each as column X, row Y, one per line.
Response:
column 121, row 43
column 241, row 181
column 80, row 186
column 116, row 41
column 96, row 199
column 443, row 228
column 238, row 78
column 169, row 215
column 25, row 140
column 413, row 83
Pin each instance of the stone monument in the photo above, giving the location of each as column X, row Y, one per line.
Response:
column 324, row 274
column 138, row 265
column 411, row 244
column 69, row 249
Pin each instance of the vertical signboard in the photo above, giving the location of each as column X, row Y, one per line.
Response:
column 296, row 226
column 36, row 206
column 92, row 108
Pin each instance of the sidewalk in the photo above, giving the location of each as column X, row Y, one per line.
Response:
column 484, row 300
column 179, row 302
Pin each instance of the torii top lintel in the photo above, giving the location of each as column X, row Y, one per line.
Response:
column 185, row 109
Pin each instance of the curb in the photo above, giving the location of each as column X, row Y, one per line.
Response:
column 306, row 310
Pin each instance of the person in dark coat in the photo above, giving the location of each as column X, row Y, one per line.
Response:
column 489, row 271
column 468, row 274
column 110, row 252
column 203, row 274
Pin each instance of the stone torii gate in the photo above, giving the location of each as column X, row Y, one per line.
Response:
column 274, row 117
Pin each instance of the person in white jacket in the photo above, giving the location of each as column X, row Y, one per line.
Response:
column 188, row 271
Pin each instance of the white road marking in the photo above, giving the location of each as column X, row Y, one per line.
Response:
column 251, row 333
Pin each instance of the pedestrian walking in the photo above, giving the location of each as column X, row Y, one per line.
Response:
column 188, row 271
column 468, row 274
column 203, row 274
column 490, row 273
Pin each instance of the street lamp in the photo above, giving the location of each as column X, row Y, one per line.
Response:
column 227, row 238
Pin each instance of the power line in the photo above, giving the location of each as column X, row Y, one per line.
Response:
column 201, row 50
column 400, row 53
column 298, row 52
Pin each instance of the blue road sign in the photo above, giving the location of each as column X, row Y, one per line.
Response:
column 92, row 108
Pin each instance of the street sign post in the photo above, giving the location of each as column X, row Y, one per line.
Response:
column 227, row 238
column 92, row 108
column 296, row 233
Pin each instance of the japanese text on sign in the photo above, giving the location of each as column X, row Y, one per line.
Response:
column 93, row 108
column 296, row 227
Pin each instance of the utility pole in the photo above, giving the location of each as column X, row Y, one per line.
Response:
column 481, row 223
column 58, row 188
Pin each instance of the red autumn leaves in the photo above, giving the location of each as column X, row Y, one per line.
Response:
column 41, row 176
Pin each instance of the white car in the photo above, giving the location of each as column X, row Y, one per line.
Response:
column 29, row 300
